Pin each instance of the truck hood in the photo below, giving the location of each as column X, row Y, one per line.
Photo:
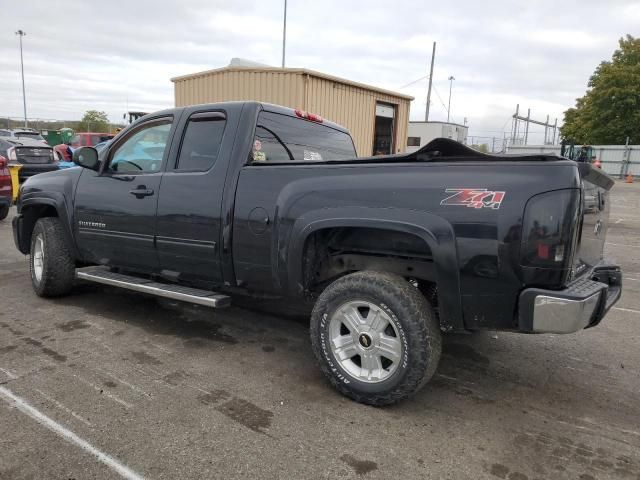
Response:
column 56, row 181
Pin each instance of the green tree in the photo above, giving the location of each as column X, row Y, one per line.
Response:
column 609, row 112
column 94, row 121
column 482, row 147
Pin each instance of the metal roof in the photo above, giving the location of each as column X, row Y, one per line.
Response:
column 301, row 71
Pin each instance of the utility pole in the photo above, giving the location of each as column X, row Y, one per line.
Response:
column 284, row 32
column 21, row 34
column 451, row 79
column 433, row 57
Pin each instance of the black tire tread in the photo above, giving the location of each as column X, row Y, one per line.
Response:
column 424, row 336
column 59, row 266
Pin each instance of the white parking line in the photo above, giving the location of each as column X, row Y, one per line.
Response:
column 622, row 245
column 64, row 408
column 626, row 309
column 17, row 402
column 8, row 374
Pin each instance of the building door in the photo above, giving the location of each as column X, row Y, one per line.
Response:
column 383, row 141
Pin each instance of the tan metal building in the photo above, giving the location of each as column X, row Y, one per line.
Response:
column 377, row 119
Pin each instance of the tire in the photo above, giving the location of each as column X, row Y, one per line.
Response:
column 362, row 368
column 4, row 211
column 51, row 264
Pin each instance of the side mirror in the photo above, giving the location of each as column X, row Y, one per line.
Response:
column 86, row 157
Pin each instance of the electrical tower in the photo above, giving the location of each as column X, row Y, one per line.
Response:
column 516, row 126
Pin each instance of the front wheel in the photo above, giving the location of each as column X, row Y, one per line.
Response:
column 52, row 266
column 4, row 212
column 376, row 337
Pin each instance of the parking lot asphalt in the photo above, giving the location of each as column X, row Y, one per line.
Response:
column 110, row 384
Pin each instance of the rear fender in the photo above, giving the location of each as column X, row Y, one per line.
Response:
column 436, row 232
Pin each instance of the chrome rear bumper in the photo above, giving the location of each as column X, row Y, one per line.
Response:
column 581, row 305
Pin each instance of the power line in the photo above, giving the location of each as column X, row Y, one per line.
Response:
column 440, row 98
column 415, row 81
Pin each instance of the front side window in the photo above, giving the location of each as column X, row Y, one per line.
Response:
column 282, row 138
column 142, row 152
column 201, row 143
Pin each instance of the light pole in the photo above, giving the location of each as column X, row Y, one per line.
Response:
column 451, row 79
column 284, row 32
column 21, row 34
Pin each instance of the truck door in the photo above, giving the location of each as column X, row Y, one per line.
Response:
column 115, row 208
column 189, row 208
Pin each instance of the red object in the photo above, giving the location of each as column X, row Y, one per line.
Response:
column 597, row 163
column 63, row 151
column 90, row 139
column 629, row 178
column 309, row 116
column 543, row 251
column 6, row 187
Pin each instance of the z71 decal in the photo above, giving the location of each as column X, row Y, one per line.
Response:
column 474, row 197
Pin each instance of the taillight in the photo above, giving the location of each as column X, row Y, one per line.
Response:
column 550, row 221
column 11, row 153
column 3, row 163
column 309, row 116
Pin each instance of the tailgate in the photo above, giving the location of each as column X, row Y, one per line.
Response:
column 34, row 155
column 595, row 218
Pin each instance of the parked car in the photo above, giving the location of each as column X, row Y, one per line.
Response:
column 90, row 139
column 34, row 155
column 23, row 133
column 6, row 188
column 201, row 202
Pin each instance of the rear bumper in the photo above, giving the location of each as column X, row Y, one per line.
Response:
column 581, row 305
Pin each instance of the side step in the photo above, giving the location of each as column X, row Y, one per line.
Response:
column 175, row 292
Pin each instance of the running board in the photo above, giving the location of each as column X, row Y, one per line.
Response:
column 175, row 292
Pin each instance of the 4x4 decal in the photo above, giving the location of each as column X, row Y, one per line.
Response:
column 474, row 197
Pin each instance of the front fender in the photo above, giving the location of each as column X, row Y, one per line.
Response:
column 35, row 205
column 436, row 232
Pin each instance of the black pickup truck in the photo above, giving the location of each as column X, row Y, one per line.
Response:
column 244, row 198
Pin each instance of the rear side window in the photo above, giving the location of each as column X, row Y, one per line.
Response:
column 201, row 142
column 281, row 138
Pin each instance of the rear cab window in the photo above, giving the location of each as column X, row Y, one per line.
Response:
column 281, row 138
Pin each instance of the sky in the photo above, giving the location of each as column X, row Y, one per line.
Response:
column 120, row 55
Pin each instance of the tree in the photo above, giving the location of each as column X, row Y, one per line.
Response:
column 609, row 111
column 482, row 147
column 94, row 121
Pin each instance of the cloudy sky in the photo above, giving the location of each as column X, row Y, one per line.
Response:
column 82, row 55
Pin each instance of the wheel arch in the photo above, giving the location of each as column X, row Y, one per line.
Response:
column 434, row 231
column 32, row 209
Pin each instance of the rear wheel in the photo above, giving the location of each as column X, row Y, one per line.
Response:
column 52, row 266
column 376, row 337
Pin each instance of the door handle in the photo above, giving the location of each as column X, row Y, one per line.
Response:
column 141, row 191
